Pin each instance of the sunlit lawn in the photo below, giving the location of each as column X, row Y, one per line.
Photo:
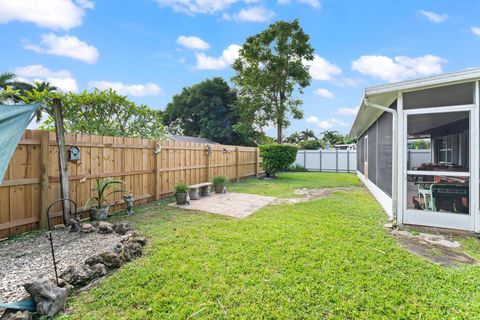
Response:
column 324, row 259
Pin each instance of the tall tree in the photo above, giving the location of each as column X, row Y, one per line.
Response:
column 12, row 89
column 308, row 134
column 209, row 109
column 332, row 138
column 270, row 69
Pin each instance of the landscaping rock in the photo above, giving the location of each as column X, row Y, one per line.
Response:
column 122, row 227
column 93, row 260
column 105, row 227
column 98, row 270
column 49, row 298
column 130, row 250
column 76, row 275
column 128, row 236
column 140, row 240
column 16, row 315
column 87, row 228
column 111, row 259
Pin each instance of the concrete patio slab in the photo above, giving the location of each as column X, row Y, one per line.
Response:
column 238, row 205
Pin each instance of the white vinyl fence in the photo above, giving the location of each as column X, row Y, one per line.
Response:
column 416, row 157
column 327, row 160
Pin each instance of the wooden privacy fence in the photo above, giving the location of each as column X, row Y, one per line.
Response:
column 149, row 168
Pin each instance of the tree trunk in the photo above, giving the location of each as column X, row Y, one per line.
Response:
column 62, row 159
column 279, row 133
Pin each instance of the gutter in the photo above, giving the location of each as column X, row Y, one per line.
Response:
column 394, row 114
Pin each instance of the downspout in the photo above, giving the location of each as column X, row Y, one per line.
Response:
column 394, row 114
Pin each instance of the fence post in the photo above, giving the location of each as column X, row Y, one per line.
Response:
column 207, row 174
column 305, row 159
column 156, row 167
column 348, row 161
column 44, row 152
column 320, row 169
column 336, row 160
column 256, row 162
column 237, row 167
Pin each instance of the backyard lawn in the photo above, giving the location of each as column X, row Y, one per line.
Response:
column 322, row 259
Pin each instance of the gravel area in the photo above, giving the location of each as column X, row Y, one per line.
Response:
column 30, row 257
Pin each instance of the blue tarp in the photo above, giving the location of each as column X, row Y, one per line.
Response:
column 14, row 119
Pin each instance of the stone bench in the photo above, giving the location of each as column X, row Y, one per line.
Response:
column 200, row 189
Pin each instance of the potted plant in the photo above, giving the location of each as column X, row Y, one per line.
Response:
column 181, row 193
column 219, row 183
column 100, row 208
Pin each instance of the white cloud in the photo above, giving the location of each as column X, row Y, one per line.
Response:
column 313, row 3
column 200, row 6
column 324, row 93
column 326, row 124
column 67, row 46
column 87, row 4
column 192, row 42
column 56, row 14
column 228, row 56
column 476, row 31
column 398, row 68
column 321, row 69
column 135, row 90
column 252, row 14
column 434, row 17
column 62, row 79
column 348, row 111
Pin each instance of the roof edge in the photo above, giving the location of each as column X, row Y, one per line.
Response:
column 459, row 76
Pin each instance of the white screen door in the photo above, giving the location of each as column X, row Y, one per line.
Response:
column 437, row 184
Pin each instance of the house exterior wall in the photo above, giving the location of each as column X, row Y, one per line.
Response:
column 466, row 94
column 379, row 153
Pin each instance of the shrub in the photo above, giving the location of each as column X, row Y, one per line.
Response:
column 276, row 157
column 219, row 180
column 181, row 188
column 310, row 145
column 296, row 168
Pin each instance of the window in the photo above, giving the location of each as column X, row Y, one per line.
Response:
column 445, row 149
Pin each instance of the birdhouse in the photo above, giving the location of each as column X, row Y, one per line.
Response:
column 74, row 153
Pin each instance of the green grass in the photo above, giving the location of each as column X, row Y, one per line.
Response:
column 325, row 259
column 287, row 182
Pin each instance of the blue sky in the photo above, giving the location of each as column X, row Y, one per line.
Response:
column 150, row 49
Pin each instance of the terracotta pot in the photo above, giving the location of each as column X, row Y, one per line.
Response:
column 99, row 213
column 181, row 198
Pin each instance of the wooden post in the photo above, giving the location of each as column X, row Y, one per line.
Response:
column 237, row 167
column 44, row 152
column 256, row 162
column 207, row 174
column 156, row 168
column 62, row 159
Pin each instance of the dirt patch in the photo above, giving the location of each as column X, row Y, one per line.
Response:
column 305, row 194
column 437, row 248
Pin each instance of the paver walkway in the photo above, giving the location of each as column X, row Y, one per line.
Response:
column 238, row 205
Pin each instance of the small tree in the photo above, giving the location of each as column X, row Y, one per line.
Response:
column 106, row 113
column 277, row 157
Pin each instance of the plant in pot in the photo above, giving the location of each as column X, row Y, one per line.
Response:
column 100, row 207
column 219, row 183
column 181, row 193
